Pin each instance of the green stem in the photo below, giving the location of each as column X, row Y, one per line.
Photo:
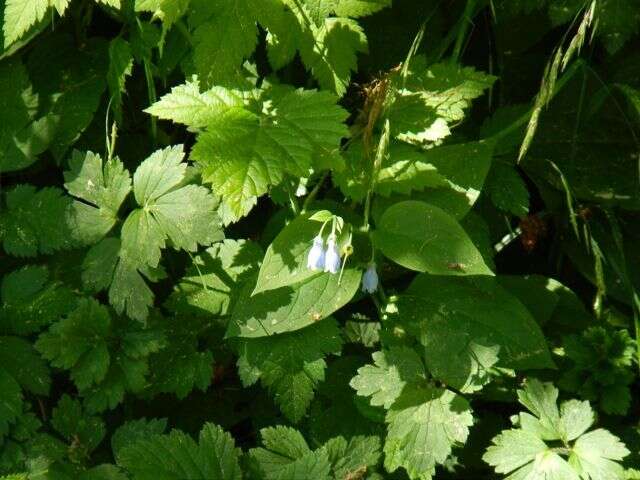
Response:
column 314, row 193
column 292, row 199
column 467, row 19
column 151, row 91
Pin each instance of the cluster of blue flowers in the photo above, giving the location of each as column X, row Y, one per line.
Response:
column 329, row 260
column 321, row 259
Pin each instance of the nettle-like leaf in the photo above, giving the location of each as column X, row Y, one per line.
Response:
column 77, row 427
column 523, row 452
column 214, row 456
column 290, row 365
column 602, row 368
column 425, row 238
column 170, row 211
column 106, row 357
column 120, row 67
column 468, row 324
column 133, row 431
column 507, row 189
column 31, row 300
column 20, row 368
column 21, row 15
column 168, row 11
column 35, row 221
column 249, row 146
column 430, row 100
column 285, row 454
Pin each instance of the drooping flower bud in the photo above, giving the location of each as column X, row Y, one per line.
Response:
column 370, row 279
column 332, row 256
column 315, row 259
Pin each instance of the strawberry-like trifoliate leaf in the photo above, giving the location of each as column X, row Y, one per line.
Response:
column 524, row 453
column 214, row 456
column 106, row 356
column 290, row 365
column 77, row 427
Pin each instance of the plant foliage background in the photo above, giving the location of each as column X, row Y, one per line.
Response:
column 319, row 239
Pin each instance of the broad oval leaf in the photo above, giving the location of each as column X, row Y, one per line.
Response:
column 453, row 317
column 292, row 307
column 425, row 238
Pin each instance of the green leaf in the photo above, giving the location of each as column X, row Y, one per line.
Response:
column 214, row 456
column 11, row 405
column 70, row 82
column 524, row 454
column 424, row 424
column 507, row 190
column 290, row 365
column 133, row 431
column 291, row 308
column 596, row 455
column 214, row 281
column 464, row 322
column 103, row 187
column 79, row 343
column 20, row 16
column 285, row 262
column 22, row 136
column 243, row 153
column 120, row 67
column 35, row 221
column 286, row 455
column 358, row 456
column 360, row 8
column 21, row 361
column 424, row 238
column 30, row 300
column 385, row 381
column 185, row 104
column 84, row 431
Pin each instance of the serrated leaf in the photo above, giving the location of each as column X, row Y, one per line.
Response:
column 507, row 189
column 35, row 221
column 242, row 153
column 133, row 431
column 214, row 456
column 385, row 381
column 30, row 300
column 11, row 405
column 596, row 454
column 20, row 16
column 290, row 365
column 425, row 238
column 349, row 459
column 291, row 308
column 360, row 8
column 120, row 67
column 79, row 343
column 439, row 418
column 69, row 419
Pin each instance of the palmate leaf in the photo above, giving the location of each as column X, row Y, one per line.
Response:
column 102, row 186
column 290, row 365
column 523, row 453
column 385, row 380
column 214, row 456
column 85, row 431
column 424, row 423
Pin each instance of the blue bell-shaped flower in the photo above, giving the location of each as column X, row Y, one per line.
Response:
column 370, row 279
column 332, row 256
column 315, row 259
